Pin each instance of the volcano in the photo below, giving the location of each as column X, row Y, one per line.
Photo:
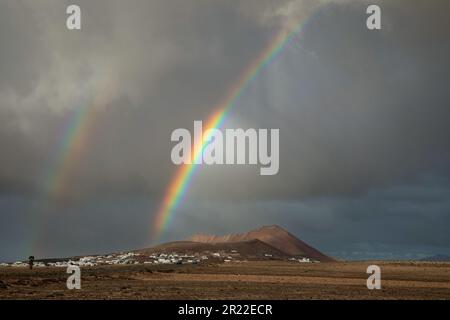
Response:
column 274, row 236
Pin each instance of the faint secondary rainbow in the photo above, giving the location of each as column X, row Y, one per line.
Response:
column 181, row 181
column 74, row 141
column 69, row 150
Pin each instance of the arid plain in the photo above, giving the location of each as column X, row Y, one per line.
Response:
column 245, row 280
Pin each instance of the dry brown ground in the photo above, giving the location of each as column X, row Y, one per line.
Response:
column 251, row 280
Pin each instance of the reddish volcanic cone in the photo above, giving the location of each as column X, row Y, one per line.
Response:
column 274, row 236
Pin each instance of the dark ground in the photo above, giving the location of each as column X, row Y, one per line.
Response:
column 250, row 280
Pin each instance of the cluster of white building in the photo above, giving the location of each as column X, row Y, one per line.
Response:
column 88, row 261
column 175, row 258
column 127, row 258
column 302, row 260
column 21, row 264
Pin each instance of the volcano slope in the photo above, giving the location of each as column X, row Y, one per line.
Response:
column 273, row 236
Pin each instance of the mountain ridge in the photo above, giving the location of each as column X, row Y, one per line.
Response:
column 273, row 235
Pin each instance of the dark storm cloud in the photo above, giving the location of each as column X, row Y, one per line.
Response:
column 166, row 68
column 359, row 112
column 356, row 109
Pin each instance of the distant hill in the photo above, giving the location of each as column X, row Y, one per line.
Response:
column 249, row 249
column 274, row 236
column 438, row 257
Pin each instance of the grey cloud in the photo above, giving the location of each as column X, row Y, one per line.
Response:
column 165, row 68
column 356, row 109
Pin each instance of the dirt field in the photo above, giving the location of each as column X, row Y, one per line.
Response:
column 250, row 280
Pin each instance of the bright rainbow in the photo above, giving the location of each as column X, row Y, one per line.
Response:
column 180, row 183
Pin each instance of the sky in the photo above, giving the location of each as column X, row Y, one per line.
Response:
column 363, row 117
